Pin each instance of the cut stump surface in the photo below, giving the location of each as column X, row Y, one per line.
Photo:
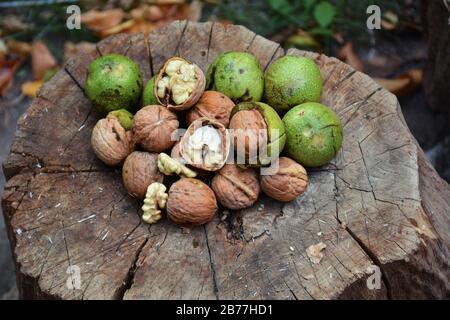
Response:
column 378, row 206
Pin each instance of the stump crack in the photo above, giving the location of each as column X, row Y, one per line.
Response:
column 372, row 256
column 129, row 279
column 212, row 266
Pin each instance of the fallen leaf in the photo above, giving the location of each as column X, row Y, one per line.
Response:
column 314, row 252
column 389, row 20
column 7, row 70
column 99, row 21
column 13, row 23
column 195, row 10
column 169, row 1
column 72, row 49
column 303, row 40
column 348, row 55
column 152, row 13
column 404, row 84
column 141, row 26
column 3, row 49
column 117, row 29
column 31, row 88
column 42, row 60
column 20, row 48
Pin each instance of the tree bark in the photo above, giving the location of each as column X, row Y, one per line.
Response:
column 378, row 206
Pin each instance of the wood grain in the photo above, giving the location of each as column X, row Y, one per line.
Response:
column 379, row 203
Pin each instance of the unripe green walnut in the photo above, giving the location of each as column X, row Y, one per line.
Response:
column 124, row 117
column 113, row 82
column 238, row 75
column 148, row 95
column 313, row 134
column 291, row 81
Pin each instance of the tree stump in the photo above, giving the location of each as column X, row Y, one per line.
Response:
column 379, row 204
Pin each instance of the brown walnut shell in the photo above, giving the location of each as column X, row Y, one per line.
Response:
column 236, row 188
column 110, row 141
column 290, row 181
column 153, row 128
column 194, row 96
column 191, row 202
column 140, row 169
column 212, row 105
column 184, row 148
column 249, row 129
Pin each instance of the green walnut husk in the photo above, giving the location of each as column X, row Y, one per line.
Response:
column 238, row 75
column 113, row 82
column 276, row 136
column 291, row 81
column 148, row 94
column 313, row 134
column 124, row 117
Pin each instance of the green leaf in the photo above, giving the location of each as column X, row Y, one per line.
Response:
column 324, row 13
column 309, row 4
column 281, row 6
column 320, row 31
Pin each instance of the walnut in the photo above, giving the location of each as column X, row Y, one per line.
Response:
column 169, row 166
column 205, row 145
column 110, row 141
column 191, row 202
column 154, row 127
column 289, row 181
column 258, row 133
column 155, row 199
column 236, row 188
column 139, row 170
column 212, row 105
column 179, row 84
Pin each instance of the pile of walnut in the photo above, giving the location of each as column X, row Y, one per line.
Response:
column 200, row 153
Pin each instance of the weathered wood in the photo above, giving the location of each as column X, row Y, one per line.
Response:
column 379, row 203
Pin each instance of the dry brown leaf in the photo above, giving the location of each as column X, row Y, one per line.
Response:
column 13, row 23
column 99, row 21
column 404, row 84
column 169, row 1
column 7, row 70
column 303, row 40
column 117, row 29
column 71, row 49
column 314, row 252
column 145, row 12
column 42, row 60
column 348, row 55
column 20, row 48
column 141, row 26
column 389, row 21
column 195, row 10
column 31, row 88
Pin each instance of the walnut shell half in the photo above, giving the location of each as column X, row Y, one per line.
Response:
column 236, row 188
column 110, row 141
column 205, row 145
column 140, row 169
column 290, row 181
column 179, row 84
column 212, row 105
column 191, row 202
column 153, row 128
